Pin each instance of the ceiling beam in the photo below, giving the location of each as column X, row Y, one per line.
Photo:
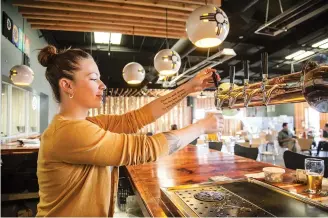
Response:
column 91, row 16
column 159, row 4
column 199, row 2
column 43, row 19
column 121, row 6
column 104, row 29
column 101, row 10
column 116, row 48
column 118, row 26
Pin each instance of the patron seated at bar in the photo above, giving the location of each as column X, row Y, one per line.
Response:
column 286, row 139
column 174, row 127
column 324, row 139
column 79, row 155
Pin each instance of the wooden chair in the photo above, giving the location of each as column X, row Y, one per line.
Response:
column 262, row 136
column 256, row 142
column 246, row 152
column 200, row 141
column 296, row 161
column 305, row 145
column 245, row 144
column 215, row 145
column 268, row 141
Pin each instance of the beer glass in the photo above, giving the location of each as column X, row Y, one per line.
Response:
column 214, row 136
column 314, row 169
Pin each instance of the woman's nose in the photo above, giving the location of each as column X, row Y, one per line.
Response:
column 102, row 86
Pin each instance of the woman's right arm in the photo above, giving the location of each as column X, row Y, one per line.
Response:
column 82, row 142
column 180, row 138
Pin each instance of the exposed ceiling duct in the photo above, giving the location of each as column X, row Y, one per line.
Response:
column 183, row 47
column 210, row 62
column 292, row 17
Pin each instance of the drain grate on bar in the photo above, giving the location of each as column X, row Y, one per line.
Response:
column 216, row 201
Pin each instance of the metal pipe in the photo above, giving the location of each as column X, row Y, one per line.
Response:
column 225, row 54
column 250, row 5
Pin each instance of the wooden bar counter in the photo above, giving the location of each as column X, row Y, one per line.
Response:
column 10, row 149
column 196, row 165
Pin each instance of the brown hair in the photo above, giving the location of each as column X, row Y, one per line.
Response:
column 60, row 65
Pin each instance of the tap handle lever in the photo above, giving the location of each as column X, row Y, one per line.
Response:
column 232, row 74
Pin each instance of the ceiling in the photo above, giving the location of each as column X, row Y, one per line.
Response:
column 67, row 23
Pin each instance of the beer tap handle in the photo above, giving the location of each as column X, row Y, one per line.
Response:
column 246, row 70
column 215, row 79
column 232, row 75
column 264, row 61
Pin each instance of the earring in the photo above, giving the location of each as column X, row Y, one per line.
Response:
column 70, row 96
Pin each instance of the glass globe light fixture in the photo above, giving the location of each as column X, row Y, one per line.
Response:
column 21, row 75
column 133, row 73
column 207, row 26
column 167, row 62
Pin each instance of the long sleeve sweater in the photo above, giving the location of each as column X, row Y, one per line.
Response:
column 78, row 161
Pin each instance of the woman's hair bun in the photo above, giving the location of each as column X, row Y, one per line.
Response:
column 47, row 55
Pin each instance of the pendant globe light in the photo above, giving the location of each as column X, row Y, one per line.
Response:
column 167, row 62
column 21, row 75
column 207, row 26
column 133, row 72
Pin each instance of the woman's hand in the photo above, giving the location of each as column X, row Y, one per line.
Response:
column 202, row 80
column 212, row 123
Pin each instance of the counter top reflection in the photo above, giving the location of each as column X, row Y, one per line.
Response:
column 196, row 165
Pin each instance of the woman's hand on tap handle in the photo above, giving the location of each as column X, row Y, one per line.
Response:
column 212, row 123
column 203, row 80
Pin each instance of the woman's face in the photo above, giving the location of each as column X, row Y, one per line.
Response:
column 87, row 87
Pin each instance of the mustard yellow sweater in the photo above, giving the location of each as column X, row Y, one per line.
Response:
column 74, row 173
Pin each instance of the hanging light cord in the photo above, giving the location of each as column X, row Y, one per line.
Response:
column 133, row 41
column 167, row 42
column 280, row 5
column 91, row 44
column 133, row 37
column 267, row 11
column 23, row 41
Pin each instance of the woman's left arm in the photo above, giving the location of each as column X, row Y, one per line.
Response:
column 132, row 121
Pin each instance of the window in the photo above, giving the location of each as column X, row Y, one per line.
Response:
column 312, row 119
column 34, row 113
column 18, row 123
column 20, row 112
column 4, row 110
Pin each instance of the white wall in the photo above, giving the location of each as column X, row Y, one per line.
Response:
column 10, row 55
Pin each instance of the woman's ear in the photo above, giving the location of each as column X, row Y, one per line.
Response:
column 66, row 85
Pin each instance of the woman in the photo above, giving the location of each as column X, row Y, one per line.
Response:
column 79, row 155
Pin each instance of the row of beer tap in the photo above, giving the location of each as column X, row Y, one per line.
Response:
column 283, row 89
